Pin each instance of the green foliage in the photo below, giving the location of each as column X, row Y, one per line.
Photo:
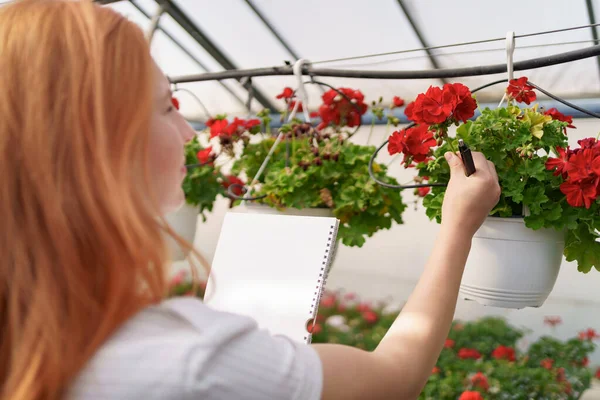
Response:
column 201, row 185
column 337, row 177
column 506, row 137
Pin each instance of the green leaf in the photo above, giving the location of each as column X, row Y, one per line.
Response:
column 534, row 197
column 582, row 247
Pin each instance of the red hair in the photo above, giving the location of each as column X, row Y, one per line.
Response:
column 81, row 248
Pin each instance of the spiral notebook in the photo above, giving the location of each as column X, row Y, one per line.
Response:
column 273, row 268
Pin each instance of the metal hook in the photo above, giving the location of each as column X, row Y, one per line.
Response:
column 302, row 90
column 510, row 50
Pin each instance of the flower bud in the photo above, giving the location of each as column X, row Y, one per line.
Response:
column 317, row 161
column 315, row 151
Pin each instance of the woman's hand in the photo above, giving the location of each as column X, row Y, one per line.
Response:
column 469, row 200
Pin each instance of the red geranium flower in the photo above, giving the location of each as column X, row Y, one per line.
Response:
column 435, row 370
column 415, row 143
column 363, row 307
column 559, row 165
column 589, row 334
column 504, row 353
column 251, row 123
column 423, row 191
column 519, row 90
column 231, row 180
column 579, row 194
column 583, row 165
column 547, row 363
column 480, row 381
column 431, row 107
column 204, row 156
column 471, row 396
column 449, row 343
column 397, row 102
column 175, row 103
column 469, row 353
column 328, row 301
column 292, row 104
column 217, row 127
column 287, row 93
column 598, row 373
column 465, row 103
column 370, row 317
column 338, row 110
column 557, row 115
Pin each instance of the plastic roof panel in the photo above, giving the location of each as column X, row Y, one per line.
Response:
column 327, row 30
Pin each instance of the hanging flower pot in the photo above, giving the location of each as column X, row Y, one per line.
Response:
column 512, row 266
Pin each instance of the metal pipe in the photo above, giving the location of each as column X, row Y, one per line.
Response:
column 546, row 61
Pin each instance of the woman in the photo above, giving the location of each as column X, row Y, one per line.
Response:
column 91, row 152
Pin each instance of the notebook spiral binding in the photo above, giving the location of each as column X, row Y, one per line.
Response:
column 330, row 251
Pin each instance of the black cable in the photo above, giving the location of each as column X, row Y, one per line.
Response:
column 401, row 187
column 561, row 58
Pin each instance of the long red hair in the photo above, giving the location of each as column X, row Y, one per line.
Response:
column 81, row 247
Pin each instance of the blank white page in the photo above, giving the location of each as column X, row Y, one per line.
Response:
column 272, row 268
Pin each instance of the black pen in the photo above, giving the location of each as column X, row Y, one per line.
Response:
column 467, row 157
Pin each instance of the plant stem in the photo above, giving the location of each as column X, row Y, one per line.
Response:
column 371, row 130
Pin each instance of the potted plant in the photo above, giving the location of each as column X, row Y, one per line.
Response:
column 320, row 171
column 548, row 204
column 206, row 181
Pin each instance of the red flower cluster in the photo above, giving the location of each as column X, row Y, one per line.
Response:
column 504, row 353
column 175, row 103
column 449, row 343
column 415, row 143
column 231, row 180
column 480, row 381
column 370, row 317
column 317, row 328
column 557, row 115
column 465, row 353
column 222, row 127
column 337, row 110
column 437, row 105
column 519, row 90
column 436, row 370
column 288, row 95
column 589, row 334
column 581, row 170
column 598, row 373
column 471, row 396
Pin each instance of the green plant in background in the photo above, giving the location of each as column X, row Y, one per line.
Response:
column 320, row 167
column 480, row 359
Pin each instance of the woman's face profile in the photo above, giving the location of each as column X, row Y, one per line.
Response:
column 169, row 132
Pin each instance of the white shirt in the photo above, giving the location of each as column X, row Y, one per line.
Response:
column 182, row 349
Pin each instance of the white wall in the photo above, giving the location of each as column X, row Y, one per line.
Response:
column 389, row 264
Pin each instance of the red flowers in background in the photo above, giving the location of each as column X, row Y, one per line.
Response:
column 415, row 143
column 480, row 381
column 598, row 373
column 465, row 353
column 175, row 102
column 337, row 110
column 397, row 102
column 287, row 93
column 370, row 317
column 519, row 90
column 471, row 396
column 589, row 334
column 231, row 180
column 557, row 115
column 437, row 105
column 449, row 343
column 581, row 170
column 504, row 353
column 222, row 127
column 552, row 320
column 547, row 363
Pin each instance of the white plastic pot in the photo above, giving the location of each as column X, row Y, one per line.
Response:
column 184, row 221
column 512, row 266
